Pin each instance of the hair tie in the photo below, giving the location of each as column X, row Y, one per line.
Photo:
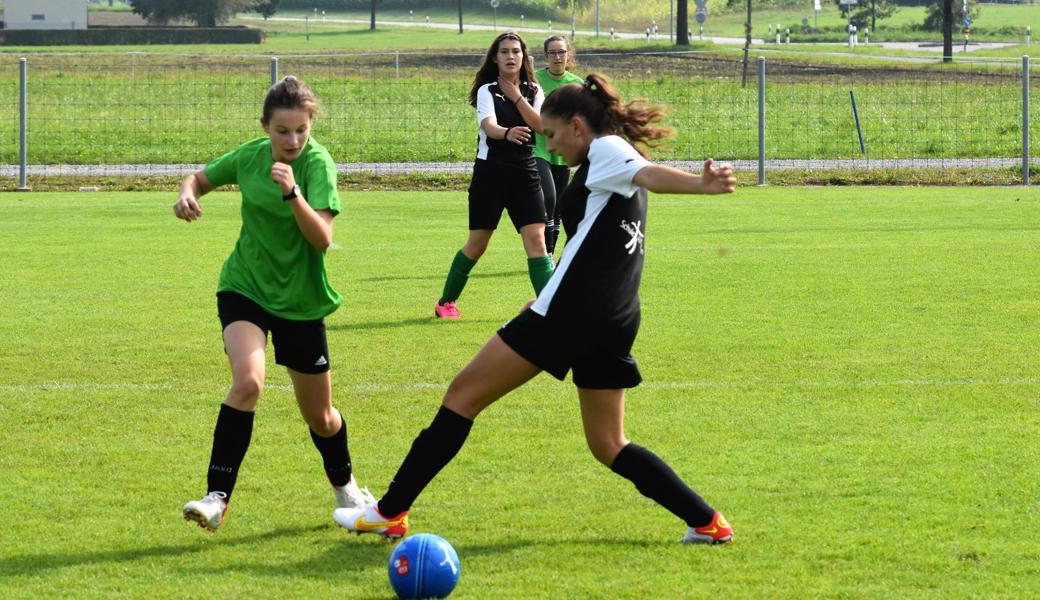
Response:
column 288, row 78
column 589, row 85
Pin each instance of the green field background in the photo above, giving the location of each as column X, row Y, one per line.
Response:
column 849, row 374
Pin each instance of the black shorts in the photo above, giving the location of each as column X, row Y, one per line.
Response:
column 494, row 187
column 298, row 345
column 600, row 361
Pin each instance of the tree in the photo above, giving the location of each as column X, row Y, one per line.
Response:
column 933, row 14
column 868, row 12
column 205, row 13
column 682, row 33
column 944, row 16
column 266, row 8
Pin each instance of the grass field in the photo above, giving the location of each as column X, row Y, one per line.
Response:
column 161, row 109
column 849, row 373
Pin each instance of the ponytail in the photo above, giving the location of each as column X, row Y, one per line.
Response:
column 289, row 93
column 596, row 101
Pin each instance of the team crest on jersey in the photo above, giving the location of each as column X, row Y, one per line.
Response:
column 632, row 229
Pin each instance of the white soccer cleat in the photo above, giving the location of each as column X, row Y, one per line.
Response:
column 368, row 519
column 351, row 496
column 208, row 512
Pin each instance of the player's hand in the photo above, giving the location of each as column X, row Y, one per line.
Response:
column 518, row 134
column 718, row 180
column 187, row 207
column 282, row 174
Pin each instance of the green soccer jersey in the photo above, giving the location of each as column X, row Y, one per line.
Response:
column 272, row 263
column 548, row 84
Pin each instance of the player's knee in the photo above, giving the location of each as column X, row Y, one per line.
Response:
column 605, row 450
column 475, row 250
column 325, row 423
column 245, row 391
column 459, row 399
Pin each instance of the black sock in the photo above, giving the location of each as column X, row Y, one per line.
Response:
column 230, row 442
column 334, row 454
column 550, row 245
column 432, row 449
column 657, row 481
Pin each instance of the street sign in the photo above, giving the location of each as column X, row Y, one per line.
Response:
column 494, row 3
column 843, row 2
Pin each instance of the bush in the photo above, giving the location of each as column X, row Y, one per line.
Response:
column 109, row 36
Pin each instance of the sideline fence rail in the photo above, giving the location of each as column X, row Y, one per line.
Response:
column 165, row 114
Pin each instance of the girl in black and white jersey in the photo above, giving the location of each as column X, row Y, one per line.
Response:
column 505, row 175
column 590, row 307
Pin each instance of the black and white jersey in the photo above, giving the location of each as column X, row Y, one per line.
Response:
column 491, row 102
column 596, row 283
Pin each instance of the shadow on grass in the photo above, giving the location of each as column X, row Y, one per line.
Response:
column 440, row 277
column 37, row 564
column 403, row 323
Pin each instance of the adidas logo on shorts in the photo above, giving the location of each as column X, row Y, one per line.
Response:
column 321, row 362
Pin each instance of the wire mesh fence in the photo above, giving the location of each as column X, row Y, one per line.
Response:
column 166, row 114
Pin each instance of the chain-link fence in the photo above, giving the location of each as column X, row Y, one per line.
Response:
column 166, row 114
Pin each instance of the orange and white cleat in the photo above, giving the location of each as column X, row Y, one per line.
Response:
column 717, row 531
column 368, row 519
column 208, row 512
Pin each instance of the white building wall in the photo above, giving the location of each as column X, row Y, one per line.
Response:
column 45, row 14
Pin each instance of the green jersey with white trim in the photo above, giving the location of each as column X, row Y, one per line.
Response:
column 272, row 263
column 548, row 84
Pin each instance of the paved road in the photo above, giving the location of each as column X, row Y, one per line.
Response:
column 661, row 35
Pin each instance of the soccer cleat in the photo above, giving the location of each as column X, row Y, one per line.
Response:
column 368, row 519
column 448, row 310
column 208, row 512
column 716, row 532
column 351, row 496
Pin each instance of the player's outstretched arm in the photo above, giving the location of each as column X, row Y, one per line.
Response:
column 663, row 179
column 193, row 187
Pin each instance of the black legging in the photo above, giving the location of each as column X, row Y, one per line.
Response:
column 554, row 180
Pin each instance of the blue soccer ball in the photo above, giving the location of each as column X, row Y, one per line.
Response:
column 423, row 566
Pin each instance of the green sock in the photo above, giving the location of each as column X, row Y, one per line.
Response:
column 540, row 269
column 457, row 276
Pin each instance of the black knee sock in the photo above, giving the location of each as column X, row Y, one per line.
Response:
column 335, row 454
column 657, row 481
column 230, row 442
column 432, row 449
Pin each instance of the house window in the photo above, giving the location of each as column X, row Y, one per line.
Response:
column 39, row 17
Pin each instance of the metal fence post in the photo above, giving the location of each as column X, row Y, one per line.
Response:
column 1025, row 120
column 761, row 120
column 23, row 93
column 274, row 70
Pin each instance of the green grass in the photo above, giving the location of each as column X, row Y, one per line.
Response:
column 849, row 373
column 147, row 109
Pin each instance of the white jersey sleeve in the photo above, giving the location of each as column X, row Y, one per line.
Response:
column 485, row 104
column 613, row 163
column 539, row 97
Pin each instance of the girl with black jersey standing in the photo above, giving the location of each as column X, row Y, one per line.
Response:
column 505, row 175
column 590, row 307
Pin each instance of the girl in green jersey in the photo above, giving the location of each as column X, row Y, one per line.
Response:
column 552, row 169
column 275, row 281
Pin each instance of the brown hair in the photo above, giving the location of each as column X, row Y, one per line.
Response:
column 488, row 71
column 290, row 93
column 571, row 62
column 600, row 105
